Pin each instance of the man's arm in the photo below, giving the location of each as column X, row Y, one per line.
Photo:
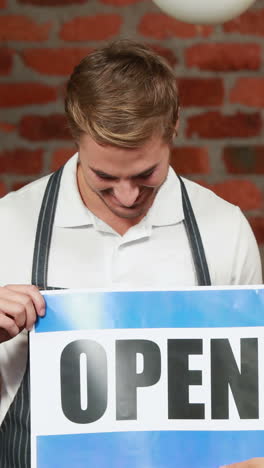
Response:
column 246, row 268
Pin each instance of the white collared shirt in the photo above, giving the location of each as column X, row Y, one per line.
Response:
column 87, row 253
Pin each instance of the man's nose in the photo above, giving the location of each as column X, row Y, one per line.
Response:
column 126, row 192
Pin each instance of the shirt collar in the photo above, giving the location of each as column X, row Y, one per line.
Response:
column 71, row 211
column 167, row 207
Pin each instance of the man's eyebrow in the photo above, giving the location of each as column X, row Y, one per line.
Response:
column 101, row 173
column 110, row 176
column 146, row 172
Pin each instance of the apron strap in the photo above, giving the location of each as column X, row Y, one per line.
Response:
column 15, row 429
column 195, row 240
column 44, row 231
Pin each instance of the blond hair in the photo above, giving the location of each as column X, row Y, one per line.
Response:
column 121, row 94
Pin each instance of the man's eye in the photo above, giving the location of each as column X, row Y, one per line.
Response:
column 105, row 177
column 145, row 176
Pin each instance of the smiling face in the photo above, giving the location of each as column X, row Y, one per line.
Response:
column 121, row 181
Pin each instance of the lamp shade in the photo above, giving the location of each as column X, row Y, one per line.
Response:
column 204, row 11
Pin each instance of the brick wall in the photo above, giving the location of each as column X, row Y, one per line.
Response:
column 220, row 72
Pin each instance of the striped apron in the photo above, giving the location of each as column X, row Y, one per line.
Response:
column 15, row 429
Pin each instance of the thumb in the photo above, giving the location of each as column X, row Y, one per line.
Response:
column 252, row 463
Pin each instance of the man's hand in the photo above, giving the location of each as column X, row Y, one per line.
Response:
column 19, row 307
column 252, row 463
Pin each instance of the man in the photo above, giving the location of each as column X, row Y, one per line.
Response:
column 116, row 217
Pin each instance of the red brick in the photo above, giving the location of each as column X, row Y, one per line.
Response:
column 224, row 57
column 21, row 161
column 257, row 224
column 91, row 28
column 248, row 91
column 50, row 127
column 60, row 156
column 3, row 189
column 242, row 193
column 6, row 61
column 201, row 91
column 217, row 125
column 250, row 22
column 61, row 88
column 22, row 28
column 51, row 3
column 2, row 3
column 54, row 61
column 6, row 127
column 18, row 185
column 119, row 2
column 164, row 52
column 244, row 159
column 161, row 26
column 190, row 160
column 25, row 94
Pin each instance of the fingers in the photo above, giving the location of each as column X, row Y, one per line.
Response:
column 33, row 293
column 252, row 463
column 9, row 327
column 19, row 307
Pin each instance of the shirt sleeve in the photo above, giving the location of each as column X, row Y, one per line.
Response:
column 247, row 268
